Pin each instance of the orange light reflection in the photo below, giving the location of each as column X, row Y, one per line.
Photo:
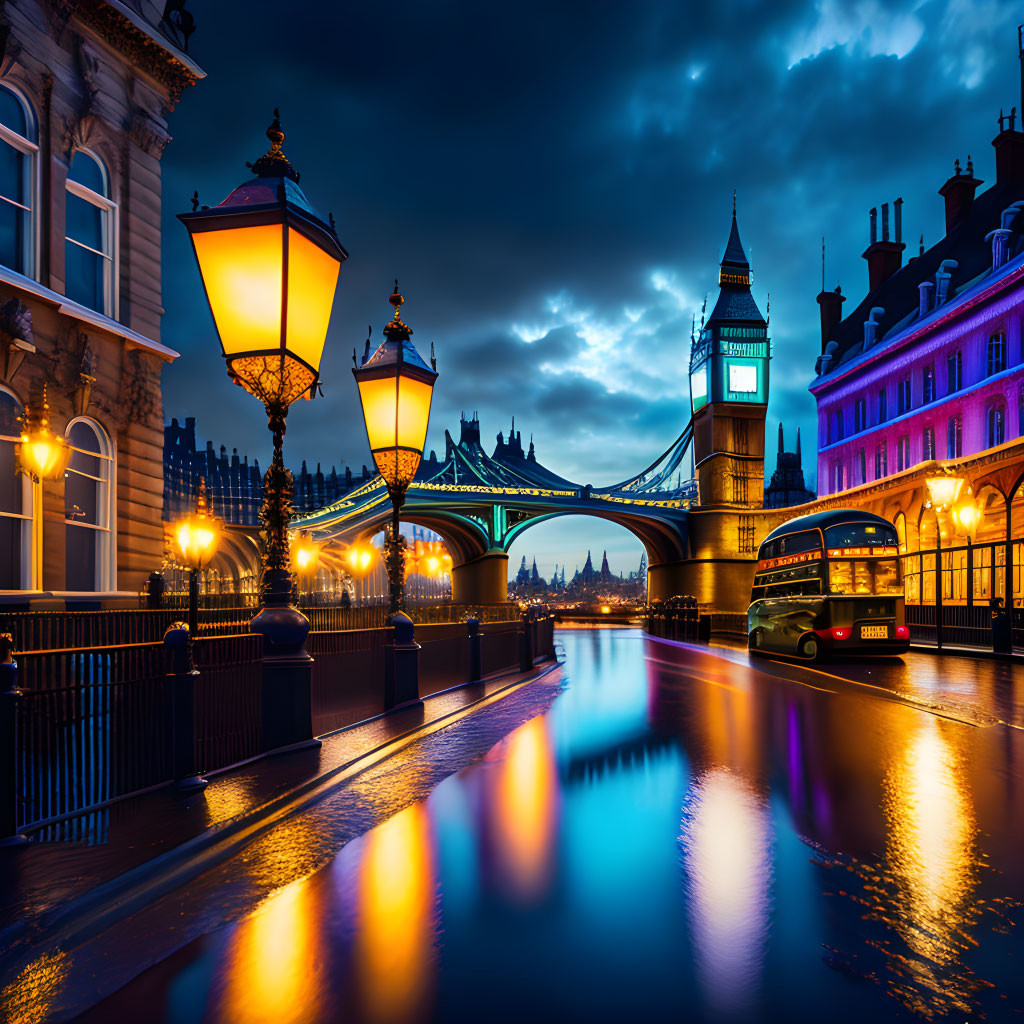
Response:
column 522, row 810
column 394, row 956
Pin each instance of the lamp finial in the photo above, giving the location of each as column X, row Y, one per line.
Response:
column 395, row 329
column 273, row 163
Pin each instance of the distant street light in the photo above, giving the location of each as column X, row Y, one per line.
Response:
column 270, row 268
column 196, row 538
column 395, row 390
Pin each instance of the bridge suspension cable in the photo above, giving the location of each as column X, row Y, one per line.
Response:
column 654, row 476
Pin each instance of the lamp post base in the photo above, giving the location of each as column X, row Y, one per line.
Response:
column 287, row 691
column 283, row 626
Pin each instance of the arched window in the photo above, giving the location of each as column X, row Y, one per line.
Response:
column 89, row 270
column 18, row 151
column 87, row 508
column 996, row 432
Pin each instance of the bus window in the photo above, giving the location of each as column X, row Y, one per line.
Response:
column 795, row 543
column 877, row 576
column 848, row 535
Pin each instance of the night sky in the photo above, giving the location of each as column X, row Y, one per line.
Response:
column 552, row 185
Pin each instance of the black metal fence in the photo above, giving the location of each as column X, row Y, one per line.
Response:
column 53, row 630
column 85, row 726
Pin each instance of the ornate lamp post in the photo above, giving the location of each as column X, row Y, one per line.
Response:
column 943, row 492
column 196, row 538
column 42, row 455
column 270, row 268
column 395, row 389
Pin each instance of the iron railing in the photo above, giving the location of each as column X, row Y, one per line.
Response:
column 97, row 723
column 54, row 630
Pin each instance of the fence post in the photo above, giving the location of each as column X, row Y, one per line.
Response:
column 475, row 658
column 10, row 697
column 182, row 680
column 525, row 647
column 402, row 678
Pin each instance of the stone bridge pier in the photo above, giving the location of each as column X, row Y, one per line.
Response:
column 481, row 580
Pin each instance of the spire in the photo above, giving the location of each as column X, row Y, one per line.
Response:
column 780, row 438
column 798, row 458
column 734, row 253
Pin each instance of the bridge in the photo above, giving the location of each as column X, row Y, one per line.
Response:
column 481, row 503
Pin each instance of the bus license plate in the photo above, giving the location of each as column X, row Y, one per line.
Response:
column 874, row 632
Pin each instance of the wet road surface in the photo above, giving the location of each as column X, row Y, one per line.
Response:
column 675, row 835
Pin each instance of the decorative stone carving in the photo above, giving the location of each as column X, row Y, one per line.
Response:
column 148, row 133
column 16, row 339
column 139, row 49
column 136, row 399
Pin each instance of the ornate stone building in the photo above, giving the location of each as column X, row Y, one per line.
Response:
column 787, row 485
column 85, row 88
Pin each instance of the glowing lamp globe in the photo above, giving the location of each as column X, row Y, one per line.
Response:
column 270, row 268
column 944, row 490
column 306, row 556
column 197, row 536
column 395, row 389
column 42, row 453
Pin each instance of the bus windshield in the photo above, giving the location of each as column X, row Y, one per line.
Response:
column 861, row 535
column 880, row 577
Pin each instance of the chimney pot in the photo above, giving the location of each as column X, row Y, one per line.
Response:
column 885, row 222
column 874, row 225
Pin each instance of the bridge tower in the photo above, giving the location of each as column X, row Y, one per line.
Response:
column 729, row 389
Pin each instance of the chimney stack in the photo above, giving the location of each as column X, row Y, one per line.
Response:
column 884, row 257
column 958, row 192
column 831, row 313
column 1009, row 144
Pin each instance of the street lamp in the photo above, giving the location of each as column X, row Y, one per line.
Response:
column 196, row 538
column 943, row 490
column 42, row 455
column 395, row 389
column 270, row 269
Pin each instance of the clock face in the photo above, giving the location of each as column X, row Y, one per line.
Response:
column 742, row 379
column 699, row 386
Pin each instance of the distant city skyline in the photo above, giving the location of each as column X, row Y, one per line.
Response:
column 556, row 233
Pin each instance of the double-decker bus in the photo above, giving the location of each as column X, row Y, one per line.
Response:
column 829, row 583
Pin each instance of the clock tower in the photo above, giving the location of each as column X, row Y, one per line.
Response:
column 729, row 389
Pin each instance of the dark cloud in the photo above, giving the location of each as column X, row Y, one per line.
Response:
column 553, row 187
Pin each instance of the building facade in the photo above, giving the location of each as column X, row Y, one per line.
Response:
column 929, row 366
column 84, row 92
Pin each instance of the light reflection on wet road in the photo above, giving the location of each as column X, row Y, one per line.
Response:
column 677, row 837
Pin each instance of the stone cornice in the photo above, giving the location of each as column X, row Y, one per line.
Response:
column 141, row 49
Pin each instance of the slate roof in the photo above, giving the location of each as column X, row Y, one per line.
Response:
column 734, row 248
column 898, row 295
column 734, row 300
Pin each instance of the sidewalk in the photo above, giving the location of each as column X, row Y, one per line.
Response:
column 140, row 846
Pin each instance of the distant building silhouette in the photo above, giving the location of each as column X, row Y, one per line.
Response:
column 787, row 484
column 234, row 487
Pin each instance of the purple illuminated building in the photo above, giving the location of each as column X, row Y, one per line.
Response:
column 930, row 364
